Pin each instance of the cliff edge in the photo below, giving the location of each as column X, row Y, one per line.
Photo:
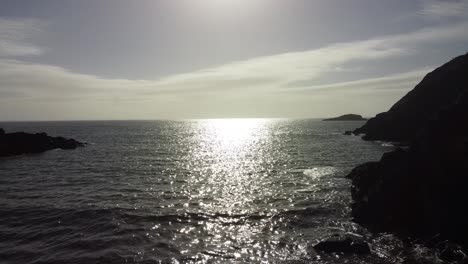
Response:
column 405, row 119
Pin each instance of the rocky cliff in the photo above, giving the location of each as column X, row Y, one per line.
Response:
column 439, row 89
column 420, row 191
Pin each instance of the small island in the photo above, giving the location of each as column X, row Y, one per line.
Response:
column 348, row 117
column 12, row 144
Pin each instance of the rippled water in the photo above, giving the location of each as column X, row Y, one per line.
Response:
column 235, row 190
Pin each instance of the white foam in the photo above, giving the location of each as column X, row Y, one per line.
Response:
column 318, row 172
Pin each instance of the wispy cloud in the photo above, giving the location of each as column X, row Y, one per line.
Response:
column 446, row 8
column 260, row 83
column 46, row 81
column 400, row 81
column 285, row 70
column 15, row 35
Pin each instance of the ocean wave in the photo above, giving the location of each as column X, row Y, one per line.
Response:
column 318, row 172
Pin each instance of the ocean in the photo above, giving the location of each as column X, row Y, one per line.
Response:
column 195, row 191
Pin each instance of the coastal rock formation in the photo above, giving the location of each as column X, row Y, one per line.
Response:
column 21, row 143
column 420, row 191
column 348, row 117
column 439, row 89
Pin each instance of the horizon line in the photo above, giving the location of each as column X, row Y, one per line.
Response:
column 164, row 119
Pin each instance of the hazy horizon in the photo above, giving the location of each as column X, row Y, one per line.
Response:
column 175, row 119
column 205, row 59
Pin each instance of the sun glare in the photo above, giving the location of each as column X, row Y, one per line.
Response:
column 227, row 8
column 232, row 134
column 228, row 146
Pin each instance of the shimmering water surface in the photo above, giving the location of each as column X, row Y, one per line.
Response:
column 234, row 190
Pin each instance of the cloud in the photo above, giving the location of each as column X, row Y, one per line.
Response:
column 262, row 85
column 286, row 70
column 46, row 81
column 15, row 34
column 401, row 81
column 443, row 9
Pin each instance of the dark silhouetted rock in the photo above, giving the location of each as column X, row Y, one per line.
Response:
column 348, row 117
column 449, row 252
column 22, row 143
column 348, row 133
column 343, row 244
column 422, row 191
column 439, row 89
column 380, row 191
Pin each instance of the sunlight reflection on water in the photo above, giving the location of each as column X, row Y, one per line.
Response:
column 232, row 152
column 205, row 191
column 230, row 180
column 241, row 175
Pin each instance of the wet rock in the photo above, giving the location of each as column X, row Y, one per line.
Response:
column 343, row 244
column 380, row 192
column 348, row 133
column 451, row 253
column 22, row 143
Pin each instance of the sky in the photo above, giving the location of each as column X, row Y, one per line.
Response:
column 182, row 59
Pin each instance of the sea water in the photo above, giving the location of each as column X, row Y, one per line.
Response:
column 194, row 191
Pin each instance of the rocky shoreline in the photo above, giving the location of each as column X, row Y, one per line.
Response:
column 420, row 191
column 12, row 144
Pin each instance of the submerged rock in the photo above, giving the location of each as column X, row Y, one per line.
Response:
column 22, row 143
column 345, row 244
column 348, row 117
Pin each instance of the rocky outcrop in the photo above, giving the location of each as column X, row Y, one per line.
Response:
column 22, row 143
column 348, row 117
column 343, row 244
column 421, row 191
column 404, row 121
